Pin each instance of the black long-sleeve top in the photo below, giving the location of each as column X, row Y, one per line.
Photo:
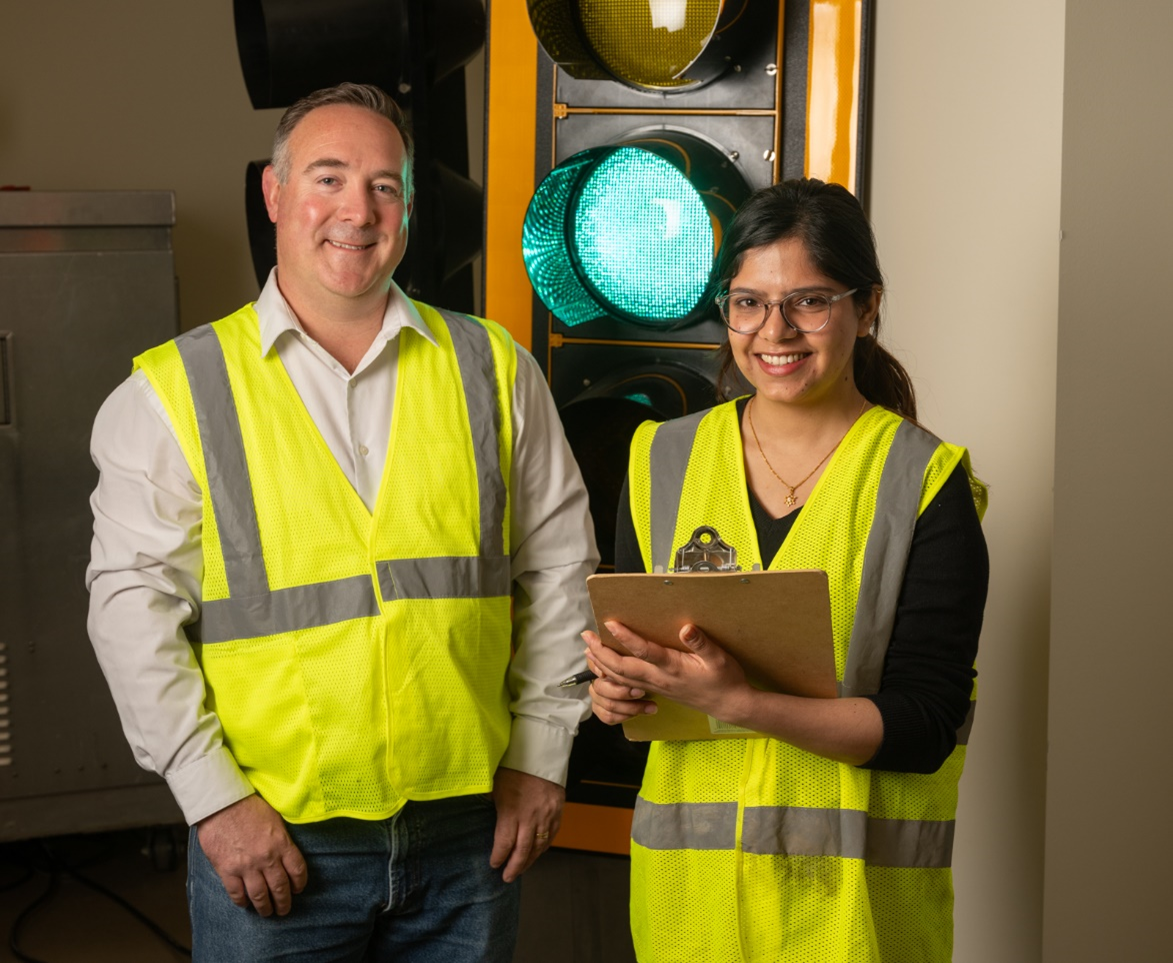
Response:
column 929, row 668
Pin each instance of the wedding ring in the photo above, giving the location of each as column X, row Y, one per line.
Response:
column 541, row 835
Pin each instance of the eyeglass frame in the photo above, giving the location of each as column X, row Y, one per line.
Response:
column 723, row 299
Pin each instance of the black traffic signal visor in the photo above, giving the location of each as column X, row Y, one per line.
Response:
column 599, row 424
column 290, row 48
column 630, row 230
column 667, row 46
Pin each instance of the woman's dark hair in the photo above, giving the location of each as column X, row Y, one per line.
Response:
column 839, row 240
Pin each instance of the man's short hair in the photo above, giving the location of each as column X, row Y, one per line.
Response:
column 352, row 95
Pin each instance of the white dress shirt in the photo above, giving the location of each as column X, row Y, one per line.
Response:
column 146, row 563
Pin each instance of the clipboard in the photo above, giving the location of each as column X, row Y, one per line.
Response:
column 776, row 624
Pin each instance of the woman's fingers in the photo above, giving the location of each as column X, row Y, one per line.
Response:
column 605, row 662
column 610, row 689
column 613, row 703
column 637, row 645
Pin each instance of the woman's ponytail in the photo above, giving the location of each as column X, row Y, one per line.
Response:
column 882, row 379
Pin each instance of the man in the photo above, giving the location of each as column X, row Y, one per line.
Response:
column 312, row 520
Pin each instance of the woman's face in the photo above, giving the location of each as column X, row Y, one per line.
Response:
column 788, row 366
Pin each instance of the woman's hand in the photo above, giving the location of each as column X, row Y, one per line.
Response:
column 707, row 678
column 612, row 701
column 704, row 676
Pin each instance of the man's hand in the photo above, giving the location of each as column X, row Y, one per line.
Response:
column 249, row 849
column 529, row 812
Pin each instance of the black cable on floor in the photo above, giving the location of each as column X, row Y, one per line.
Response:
column 55, row 866
column 132, row 910
column 26, row 914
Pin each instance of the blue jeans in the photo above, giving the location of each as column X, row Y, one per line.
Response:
column 415, row 888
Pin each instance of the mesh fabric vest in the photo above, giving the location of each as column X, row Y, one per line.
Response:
column 752, row 849
column 355, row 659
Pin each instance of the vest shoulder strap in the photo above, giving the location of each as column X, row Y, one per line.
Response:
column 670, row 451
column 886, row 557
column 483, row 392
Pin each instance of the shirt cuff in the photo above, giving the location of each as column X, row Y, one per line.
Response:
column 208, row 785
column 539, row 749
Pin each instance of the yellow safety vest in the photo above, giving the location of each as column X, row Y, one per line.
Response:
column 754, row 851
column 355, row 659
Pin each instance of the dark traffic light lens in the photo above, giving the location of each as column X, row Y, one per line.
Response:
column 649, row 44
column 655, row 45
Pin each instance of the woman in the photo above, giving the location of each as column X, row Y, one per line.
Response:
column 831, row 839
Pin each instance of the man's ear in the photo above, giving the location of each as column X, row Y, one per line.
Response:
column 271, row 188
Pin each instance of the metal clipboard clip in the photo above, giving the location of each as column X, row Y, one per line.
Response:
column 706, row 551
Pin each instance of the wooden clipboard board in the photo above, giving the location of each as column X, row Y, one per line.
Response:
column 776, row 624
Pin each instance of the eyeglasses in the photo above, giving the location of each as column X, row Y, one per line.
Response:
column 803, row 311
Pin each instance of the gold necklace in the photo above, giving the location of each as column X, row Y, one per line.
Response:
column 791, row 501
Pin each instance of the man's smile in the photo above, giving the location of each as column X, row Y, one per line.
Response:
column 342, row 245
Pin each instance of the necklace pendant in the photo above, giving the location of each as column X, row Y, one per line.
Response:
column 790, row 500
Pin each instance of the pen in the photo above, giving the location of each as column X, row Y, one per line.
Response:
column 578, row 679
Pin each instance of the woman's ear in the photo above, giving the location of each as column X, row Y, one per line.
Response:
column 868, row 311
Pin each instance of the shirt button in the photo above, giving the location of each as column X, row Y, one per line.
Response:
column 363, row 450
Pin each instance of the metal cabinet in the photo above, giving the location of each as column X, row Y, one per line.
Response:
column 87, row 281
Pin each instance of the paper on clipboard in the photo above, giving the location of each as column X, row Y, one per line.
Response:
column 776, row 624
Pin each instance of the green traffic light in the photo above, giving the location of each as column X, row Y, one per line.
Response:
column 619, row 232
column 643, row 236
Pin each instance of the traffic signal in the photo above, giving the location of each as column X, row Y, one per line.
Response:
column 662, row 117
column 412, row 49
column 654, row 120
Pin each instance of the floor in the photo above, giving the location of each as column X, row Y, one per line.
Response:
column 56, row 917
column 575, row 901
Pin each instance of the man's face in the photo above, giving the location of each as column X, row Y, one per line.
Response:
column 342, row 214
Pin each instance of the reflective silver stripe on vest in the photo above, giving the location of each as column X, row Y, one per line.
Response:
column 444, row 578
column 795, row 831
column 478, row 372
column 252, row 610
column 285, row 610
column 227, row 469
column 668, row 459
column 684, row 825
column 886, row 557
column 910, row 843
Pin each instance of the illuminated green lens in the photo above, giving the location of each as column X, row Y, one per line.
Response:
column 545, row 247
column 618, row 232
column 649, row 43
column 643, row 236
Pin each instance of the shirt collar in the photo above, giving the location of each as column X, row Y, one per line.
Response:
column 276, row 317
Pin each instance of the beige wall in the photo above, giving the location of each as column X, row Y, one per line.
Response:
column 139, row 94
column 1109, row 838
column 1047, row 360
column 965, row 200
